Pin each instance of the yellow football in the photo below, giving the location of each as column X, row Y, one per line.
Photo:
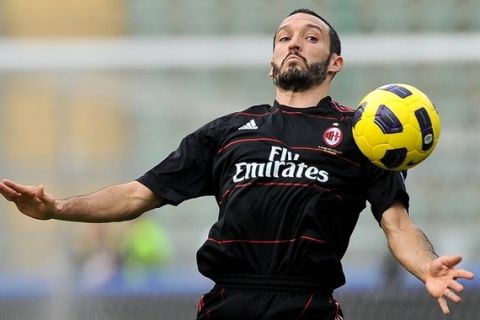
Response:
column 396, row 126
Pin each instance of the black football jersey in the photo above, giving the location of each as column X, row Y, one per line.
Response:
column 290, row 184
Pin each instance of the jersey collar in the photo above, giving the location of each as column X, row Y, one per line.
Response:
column 324, row 106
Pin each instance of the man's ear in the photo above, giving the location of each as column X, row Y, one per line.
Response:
column 270, row 73
column 336, row 63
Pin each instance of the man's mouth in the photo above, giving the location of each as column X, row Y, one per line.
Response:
column 294, row 56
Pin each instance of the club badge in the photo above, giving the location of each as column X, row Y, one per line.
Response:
column 333, row 136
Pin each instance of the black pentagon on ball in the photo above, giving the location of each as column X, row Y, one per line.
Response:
column 425, row 128
column 400, row 91
column 358, row 113
column 387, row 120
column 394, row 157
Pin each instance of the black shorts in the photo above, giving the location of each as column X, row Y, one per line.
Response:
column 225, row 303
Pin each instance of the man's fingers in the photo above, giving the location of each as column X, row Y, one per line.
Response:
column 22, row 190
column 9, row 193
column 460, row 273
column 443, row 305
column 450, row 294
column 15, row 186
column 451, row 261
column 457, row 287
column 15, row 192
column 8, row 183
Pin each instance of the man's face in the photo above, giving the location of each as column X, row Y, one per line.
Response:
column 301, row 56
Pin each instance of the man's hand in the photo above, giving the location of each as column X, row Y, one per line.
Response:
column 441, row 280
column 30, row 200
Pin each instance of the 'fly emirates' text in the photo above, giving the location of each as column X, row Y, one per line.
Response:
column 281, row 164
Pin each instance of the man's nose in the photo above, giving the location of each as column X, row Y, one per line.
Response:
column 294, row 45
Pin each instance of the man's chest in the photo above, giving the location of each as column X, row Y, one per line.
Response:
column 294, row 149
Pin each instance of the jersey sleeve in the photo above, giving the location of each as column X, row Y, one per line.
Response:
column 385, row 187
column 187, row 172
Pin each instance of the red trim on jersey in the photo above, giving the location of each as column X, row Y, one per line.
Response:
column 248, row 140
column 286, row 184
column 342, row 108
column 338, row 316
column 279, row 241
column 228, row 145
column 273, row 184
column 313, row 239
column 200, row 304
column 269, row 184
column 324, row 117
column 225, row 194
column 306, row 148
column 307, row 305
column 251, row 241
column 255, row 115
column 298, row 113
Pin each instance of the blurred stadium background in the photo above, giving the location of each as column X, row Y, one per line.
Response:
column 94, row 93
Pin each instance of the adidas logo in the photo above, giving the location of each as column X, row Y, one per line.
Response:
column 250, row 125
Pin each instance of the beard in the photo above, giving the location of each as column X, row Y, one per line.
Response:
column 297, row 79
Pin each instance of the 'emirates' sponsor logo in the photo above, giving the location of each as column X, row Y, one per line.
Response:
column 281, row 164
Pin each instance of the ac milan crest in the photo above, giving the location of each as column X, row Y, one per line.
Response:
column 333, row 136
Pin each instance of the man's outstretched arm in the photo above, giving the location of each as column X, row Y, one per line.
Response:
column 414, row 251
column 114, row 203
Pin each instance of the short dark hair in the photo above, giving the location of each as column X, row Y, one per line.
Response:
column 335, row 45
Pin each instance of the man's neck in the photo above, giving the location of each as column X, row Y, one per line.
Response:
column 302, row 99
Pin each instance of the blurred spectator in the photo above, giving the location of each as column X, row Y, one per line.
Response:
column 98, row 257
column 145, row 251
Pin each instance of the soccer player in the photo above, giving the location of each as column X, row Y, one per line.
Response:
column 290, row 184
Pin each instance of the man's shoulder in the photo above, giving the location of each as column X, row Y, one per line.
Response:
column 234, row 119
column 258, row 110
column 343, row 108
column 255, row 111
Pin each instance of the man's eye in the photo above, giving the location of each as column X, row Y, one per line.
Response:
column 283, row 39
column 312, row 39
